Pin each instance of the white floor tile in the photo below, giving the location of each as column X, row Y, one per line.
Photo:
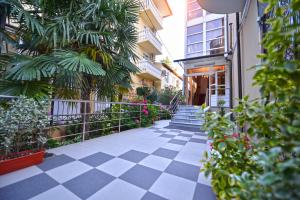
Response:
column 116, row 167
column 173, row 187
column 69, row 171
column 119, row 189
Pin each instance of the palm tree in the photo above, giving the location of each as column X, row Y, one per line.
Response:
column 70, row 48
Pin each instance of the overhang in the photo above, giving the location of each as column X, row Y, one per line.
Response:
column 163, row 7
column 222, row 6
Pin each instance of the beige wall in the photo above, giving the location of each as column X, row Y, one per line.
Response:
column 250, row 47
column 139, row 80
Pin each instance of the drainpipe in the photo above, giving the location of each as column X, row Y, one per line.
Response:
column 239, row 56
column 230, row 65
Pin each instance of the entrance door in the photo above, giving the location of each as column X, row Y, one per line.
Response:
column 217, row 88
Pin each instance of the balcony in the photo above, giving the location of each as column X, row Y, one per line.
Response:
column 149, row 42
column 149, row 70
column 151, row 15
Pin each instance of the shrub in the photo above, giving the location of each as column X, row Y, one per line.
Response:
column 263, row 161
column 143, row 91
column 23, row 124
column 167, row 94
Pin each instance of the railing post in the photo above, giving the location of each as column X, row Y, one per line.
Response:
column 120, row 118
column 84, row 122
column 140, row 115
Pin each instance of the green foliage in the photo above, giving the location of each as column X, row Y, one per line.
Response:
column 269, row 167
column 143, row 91
column 231, row 155
column 22, row 123
column 167, row 94
column 153, row 96
column 69, row 47
column 221, row 104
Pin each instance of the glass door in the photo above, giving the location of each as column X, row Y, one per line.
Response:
column 217, row 88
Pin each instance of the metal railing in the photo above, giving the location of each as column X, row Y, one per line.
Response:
column 147, row 34
column 174, row 103
column 148, row 67
column 78, row 120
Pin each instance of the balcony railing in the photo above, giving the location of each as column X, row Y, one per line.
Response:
column 147, row 35
column 149, row 5
column 147, row 67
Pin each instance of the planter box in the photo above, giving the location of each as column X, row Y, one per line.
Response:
column 22, row 159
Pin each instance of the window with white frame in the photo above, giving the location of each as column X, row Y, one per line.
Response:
column 215, row 36
column 193, row 9
column 195, row 39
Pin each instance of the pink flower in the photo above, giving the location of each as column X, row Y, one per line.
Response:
column 211, row 145
column 146, row 112
column 145, row 107
column 235, row 135
column 145, row 101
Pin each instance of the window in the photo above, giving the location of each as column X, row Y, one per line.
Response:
column 195, row 29
column 191, row 39
column 215, row 37
column 218, row 23
column 221, row 83
column 193, row 6
column 194, row 10
column 195, row 14
column 210, row 35
column 193, row 48
column 195, row 39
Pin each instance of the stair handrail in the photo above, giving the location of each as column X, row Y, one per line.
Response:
column 174, row 103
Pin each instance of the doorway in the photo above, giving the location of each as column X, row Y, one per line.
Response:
column 200, row 95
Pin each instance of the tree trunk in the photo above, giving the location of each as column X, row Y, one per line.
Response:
column 3, row 15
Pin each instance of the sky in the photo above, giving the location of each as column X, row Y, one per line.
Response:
column 172, row 34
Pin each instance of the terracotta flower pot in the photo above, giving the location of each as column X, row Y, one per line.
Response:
column 21, row 160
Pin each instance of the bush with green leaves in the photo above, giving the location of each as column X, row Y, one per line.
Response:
column 167, row 94
column 23, row 122
column 231, row 154
column 143, row 91
column 270, row 168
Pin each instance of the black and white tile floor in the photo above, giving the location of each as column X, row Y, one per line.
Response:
column 148, row 163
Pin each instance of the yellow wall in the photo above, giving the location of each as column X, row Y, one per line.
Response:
column 250, row 47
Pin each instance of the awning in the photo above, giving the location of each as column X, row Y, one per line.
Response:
column 222, row 6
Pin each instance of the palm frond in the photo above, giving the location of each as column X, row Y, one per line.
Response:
column 31, row 68
column 78, row 62
column 34, row 89
column 24, row 16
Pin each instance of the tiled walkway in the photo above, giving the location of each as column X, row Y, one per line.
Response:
column 147, row 163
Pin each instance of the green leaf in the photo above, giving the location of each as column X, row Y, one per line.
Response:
column 76, row 62
column 222, row 146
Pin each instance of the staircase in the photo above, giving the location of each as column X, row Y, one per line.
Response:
column 189, row 118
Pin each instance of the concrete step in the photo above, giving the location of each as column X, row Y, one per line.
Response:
column 191, row 115
column 188, row 127
column 190, row 109
column 195, row 117
column 186, row 121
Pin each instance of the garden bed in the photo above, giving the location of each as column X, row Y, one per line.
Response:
column 20, row 160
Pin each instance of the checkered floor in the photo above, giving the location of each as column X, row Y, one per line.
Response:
column 148, row 163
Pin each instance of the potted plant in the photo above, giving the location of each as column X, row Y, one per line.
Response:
column 22, row 133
